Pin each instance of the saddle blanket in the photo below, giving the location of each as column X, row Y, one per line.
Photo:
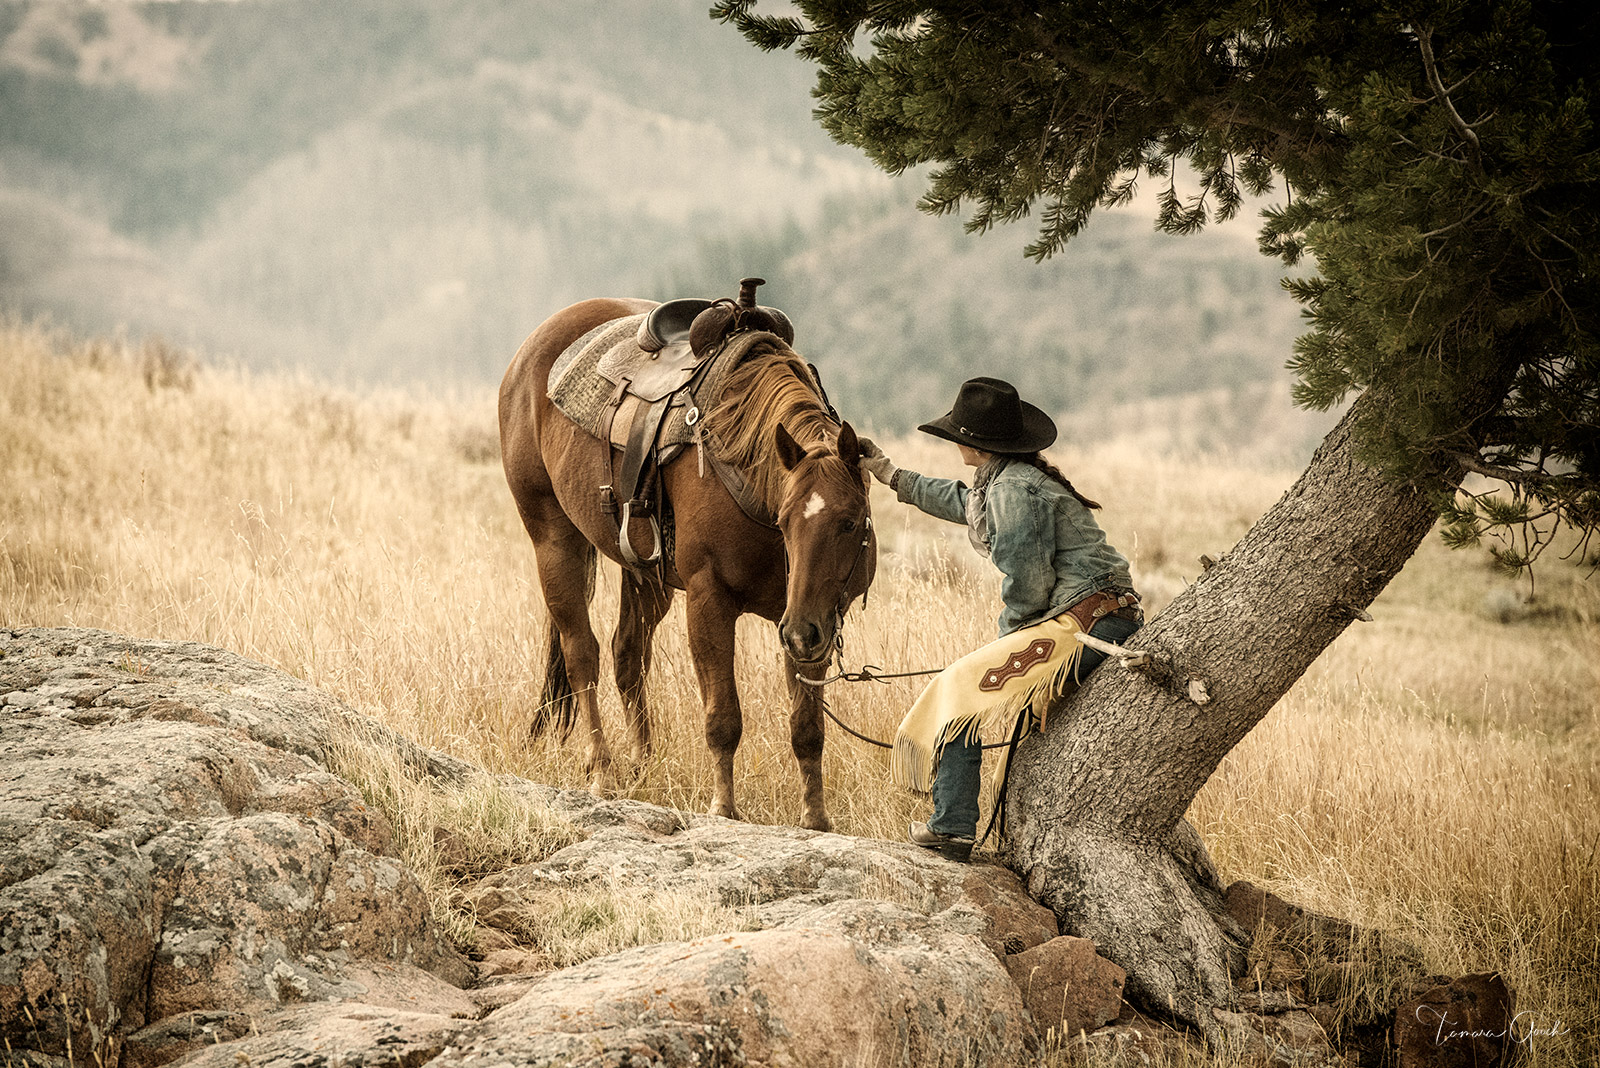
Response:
column 575, row 386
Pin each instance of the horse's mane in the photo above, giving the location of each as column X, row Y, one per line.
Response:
column 770, row 387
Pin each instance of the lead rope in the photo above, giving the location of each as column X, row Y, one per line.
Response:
column 868, row 672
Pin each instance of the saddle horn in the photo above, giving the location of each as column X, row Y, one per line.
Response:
column 727, row 316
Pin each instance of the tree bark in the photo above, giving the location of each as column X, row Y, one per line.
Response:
column 1096, row 802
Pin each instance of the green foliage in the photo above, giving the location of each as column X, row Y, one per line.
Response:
column 1439, row 163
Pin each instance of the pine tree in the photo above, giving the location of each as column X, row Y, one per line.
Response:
column 1437, row 164
column 1435, row 172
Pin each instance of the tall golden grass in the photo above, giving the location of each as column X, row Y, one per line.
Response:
column 1434, row 774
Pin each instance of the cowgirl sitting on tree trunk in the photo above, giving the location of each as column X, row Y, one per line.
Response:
column 1059, row 577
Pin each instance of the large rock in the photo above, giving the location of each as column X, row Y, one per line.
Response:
column 1292, row 1039
column 1313, row 982
column 1135, row 1039
column 1067, row 985
column 171, row 841
column 770, row 875
column 1255, row 909
column 340, row 1035
column 182, row 876
column 851, row 983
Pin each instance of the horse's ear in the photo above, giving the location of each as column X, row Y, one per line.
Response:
column 849, row 445
column 790, row 451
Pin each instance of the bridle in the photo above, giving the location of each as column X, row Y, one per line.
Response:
column 844, row 588
column 843, row 602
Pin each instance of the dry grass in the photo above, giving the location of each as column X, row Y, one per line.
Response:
column 573, row 924
column 1435, row 773
column 450, row 837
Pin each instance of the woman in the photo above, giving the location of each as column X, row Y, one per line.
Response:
column 1059, row 577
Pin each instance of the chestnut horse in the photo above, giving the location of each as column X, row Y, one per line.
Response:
column 773, row 428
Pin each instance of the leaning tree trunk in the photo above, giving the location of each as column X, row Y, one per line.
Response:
column 1096, row 802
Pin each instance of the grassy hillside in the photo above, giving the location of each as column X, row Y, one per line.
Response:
column 1436, row 773
column 414, row 184
column 399, row 190
column 1131, row 331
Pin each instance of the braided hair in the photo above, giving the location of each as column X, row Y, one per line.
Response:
column 1050, row 470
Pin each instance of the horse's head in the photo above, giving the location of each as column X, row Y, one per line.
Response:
column 826, row 519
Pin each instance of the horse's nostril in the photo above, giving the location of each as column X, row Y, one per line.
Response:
column 801, row 639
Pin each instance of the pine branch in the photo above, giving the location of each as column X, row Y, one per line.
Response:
column 1536, row 478
column 1468, row 134
column 1228, row 112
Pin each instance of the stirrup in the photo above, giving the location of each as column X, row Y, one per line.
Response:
column 624, row 542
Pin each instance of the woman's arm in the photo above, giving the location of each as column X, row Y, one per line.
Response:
column 943, row 498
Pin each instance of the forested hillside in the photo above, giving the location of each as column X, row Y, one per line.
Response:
column 394, row 190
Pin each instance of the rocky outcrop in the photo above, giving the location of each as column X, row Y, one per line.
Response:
column 174, row 842
column 1468, row 1022
column 769, row 876
column 183, row 877
column 857, row 982
column 327, row 1035
column 1067, row 985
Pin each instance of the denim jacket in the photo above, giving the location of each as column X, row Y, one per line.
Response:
column 1046, row 544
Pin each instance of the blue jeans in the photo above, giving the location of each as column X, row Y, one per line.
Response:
column 955, row 780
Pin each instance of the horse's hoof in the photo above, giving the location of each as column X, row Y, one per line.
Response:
column 725, row 811
column 816, row 823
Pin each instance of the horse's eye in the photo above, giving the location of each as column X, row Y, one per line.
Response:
column 848, row 526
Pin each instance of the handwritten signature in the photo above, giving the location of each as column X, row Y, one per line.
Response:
column 1522, row 1030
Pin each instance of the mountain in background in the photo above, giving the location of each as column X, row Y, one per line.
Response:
column 398, row 190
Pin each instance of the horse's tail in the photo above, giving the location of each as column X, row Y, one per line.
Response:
column 558, row 705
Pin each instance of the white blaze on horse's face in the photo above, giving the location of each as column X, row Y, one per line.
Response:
column 828, row 541
column 827, row 532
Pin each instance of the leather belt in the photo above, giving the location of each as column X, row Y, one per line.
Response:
column 1097, row 606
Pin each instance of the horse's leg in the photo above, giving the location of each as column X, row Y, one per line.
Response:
column 711, row 615
column 644, row 602
column 566, row 572
column 805, row 737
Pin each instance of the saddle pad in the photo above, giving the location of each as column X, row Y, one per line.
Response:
column 575, row 387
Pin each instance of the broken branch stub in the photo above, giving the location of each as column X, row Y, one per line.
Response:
column 1132, row 659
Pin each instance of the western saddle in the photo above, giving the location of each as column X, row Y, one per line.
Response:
column 679, row 343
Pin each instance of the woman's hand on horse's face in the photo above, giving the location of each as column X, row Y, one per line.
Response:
column 875, row 463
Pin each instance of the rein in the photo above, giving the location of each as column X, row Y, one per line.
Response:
column 877, row 741
column 868, row 673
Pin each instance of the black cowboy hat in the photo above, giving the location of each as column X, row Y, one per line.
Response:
column 989, row 415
